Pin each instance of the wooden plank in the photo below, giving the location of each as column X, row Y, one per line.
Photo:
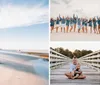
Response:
column 58, row 77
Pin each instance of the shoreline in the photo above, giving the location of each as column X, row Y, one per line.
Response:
column 11, row 76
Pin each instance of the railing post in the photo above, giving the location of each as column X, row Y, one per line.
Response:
column 92, row 59
column 57, row 60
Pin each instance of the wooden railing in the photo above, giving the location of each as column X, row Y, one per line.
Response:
column 92, row 59
column 57, row 59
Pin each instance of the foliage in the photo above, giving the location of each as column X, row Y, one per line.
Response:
column 77, row 53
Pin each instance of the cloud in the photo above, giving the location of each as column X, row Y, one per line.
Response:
column 83, row 8
column 24, row 45
column 17, row 16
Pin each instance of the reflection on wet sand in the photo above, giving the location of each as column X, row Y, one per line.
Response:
column 19, row 70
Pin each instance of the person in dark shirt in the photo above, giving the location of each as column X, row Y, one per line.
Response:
column 57, row 24
column 77, row 72
column 98, row 19
column 79, row 25
column 83, row 24
column 86, row 21
column 74, row 21
column 90, row 24
column 95, row 25
column 71, row 24
column 52, row 24
column 67, row 24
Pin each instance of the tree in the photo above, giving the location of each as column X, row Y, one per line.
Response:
column 70, row 54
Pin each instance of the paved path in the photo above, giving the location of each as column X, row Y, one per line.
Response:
column 58, row 78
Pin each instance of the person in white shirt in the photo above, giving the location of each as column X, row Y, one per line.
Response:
column 70, row 75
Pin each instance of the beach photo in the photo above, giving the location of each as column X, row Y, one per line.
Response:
column 74, row 63
column 24, row 41
column 74, row 20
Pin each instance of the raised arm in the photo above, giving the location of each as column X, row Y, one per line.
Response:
column 97, row 17
column 60, row 17
column 73, row 15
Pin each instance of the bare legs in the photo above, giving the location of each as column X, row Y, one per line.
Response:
column 56, row 29
column 86, row 29
column 67, row 28
column 74, row 27
column 78, row 30
column 69, row 75
column 99, row 29
column 64, row 29
column 90, row 29
column 83, row 29
column 95, row 30
column 61, row 29
column 71, row 28
column 52, row 27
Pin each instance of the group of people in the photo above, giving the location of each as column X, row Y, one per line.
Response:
column 71, row 23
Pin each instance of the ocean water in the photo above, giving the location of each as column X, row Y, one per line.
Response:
column 38, row 66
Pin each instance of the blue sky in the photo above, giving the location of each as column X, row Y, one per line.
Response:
column 27, row 2
column 24, row 24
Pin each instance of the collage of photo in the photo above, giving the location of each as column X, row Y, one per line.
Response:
column 50, row 42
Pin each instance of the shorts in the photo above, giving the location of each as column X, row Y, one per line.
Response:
column 67, row 25
column 79, row 26
column 82, row 25
column 94, row 27
column 90, row 25
column 57, row 25
column 63, row 25
column 51, row 25
column 71, row 25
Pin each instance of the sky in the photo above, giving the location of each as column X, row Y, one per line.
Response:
column 94, row 46
column 82, row 8
column 24, row 24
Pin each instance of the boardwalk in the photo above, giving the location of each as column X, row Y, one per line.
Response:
column 74, row 36
column 58, row 78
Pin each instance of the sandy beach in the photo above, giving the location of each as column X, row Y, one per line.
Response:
column 18, row 72
column 74, row 36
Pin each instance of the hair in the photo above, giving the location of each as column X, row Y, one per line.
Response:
column 74, row 57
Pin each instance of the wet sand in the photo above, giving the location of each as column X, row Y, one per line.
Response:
column 18, row 72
